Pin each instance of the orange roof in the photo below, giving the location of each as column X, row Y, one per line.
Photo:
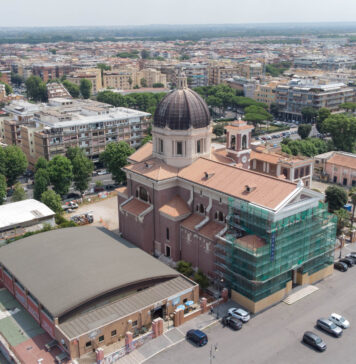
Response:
column 267, row 191
column 141, row 154
column 344, row 160
column 175, row 207
column 221, row 156
column 153, row 168
column 122, row 190
column 239, row 125
column 192, row 221
column 211, row 229
column 265, row 157
column 135, row 206
column 251, row 241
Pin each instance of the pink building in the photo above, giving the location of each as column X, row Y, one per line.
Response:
column 182, row 195
column 337, row 167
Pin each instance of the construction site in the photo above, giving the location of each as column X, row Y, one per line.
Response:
column 261, row 258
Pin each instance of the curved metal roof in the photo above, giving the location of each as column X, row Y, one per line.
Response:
column 66, row 268
column 182, row 109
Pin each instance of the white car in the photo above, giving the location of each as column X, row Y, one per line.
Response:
column 102, row 172
column 239, row 313
column 339, row 320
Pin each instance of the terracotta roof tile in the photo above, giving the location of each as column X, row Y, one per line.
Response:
column 251, row 241
column 211, row 229
column 154, row 169
column 135, row 206
column 122, row 191
column 344, row 160
column 175, row 207
column 141, row 154
column 267, row 191
column 192, row 221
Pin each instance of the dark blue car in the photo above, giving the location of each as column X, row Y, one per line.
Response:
column 197, row 337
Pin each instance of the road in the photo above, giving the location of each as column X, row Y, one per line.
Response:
column 274, row 336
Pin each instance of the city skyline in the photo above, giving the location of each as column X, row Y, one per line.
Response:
column 22, row 13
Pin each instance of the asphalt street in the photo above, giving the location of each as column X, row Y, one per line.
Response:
column 275, row 335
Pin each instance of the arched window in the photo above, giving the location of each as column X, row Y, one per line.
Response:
column 221, row 216
column 244, row 142
column 143, row 194
column 202, row 210
column 197, row 208
column 233, row 142
column 216, row 215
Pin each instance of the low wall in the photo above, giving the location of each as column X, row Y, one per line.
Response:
column 260, row 305
column 305, row 278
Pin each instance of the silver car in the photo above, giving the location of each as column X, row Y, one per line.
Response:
column 240, row 314
column 339, row 320
column 329, row 327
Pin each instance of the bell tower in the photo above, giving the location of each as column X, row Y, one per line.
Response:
column 238, row 142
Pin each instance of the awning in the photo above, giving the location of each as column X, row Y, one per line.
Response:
column 180, row 307
column 189, row 303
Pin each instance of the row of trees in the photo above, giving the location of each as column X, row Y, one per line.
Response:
column 13, row 164
column 37, row 89
column 308, row 147
column 144, row 101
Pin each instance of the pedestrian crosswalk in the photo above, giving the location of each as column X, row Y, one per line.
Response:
column 301, row 293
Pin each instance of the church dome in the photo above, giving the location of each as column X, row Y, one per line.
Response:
column 182, row 109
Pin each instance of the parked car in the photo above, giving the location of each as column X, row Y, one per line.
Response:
column 349, row 262
column 240, row 314
column 352, row 257
column 339, row 321
column 352, row 254
column 342, row 267
column 314, row 340
column 232, row 322
column 197, row 337
column 102, row 172
column 329, row 327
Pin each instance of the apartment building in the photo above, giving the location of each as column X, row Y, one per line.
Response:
column 298, row 94
column 251, row 70
column 197, row 73
column 217, row 73
column 91, row 74
column 57, row 90
column 151, row 76
column 123, row 80
column 50, row 71
column 266, row 93
column 19, row 113
column 87, row 124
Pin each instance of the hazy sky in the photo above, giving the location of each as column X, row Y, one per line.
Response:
column 132, row 12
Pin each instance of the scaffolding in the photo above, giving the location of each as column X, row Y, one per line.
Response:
column 303, row 242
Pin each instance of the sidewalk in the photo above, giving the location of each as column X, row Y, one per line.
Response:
column 175, row 335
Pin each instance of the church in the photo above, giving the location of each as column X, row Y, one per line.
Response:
column 185, row 199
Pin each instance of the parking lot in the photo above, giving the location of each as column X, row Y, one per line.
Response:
column 275, row 335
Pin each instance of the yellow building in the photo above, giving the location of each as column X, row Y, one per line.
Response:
column 123, row 80
column 266, row 93
column 91, row 74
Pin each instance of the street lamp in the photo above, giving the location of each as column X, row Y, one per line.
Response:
column 213, row 350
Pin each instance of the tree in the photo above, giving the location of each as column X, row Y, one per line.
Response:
column 274, row 109
column 343, row 218
column 130, row 81
column 52, row 200
column 19, row 193
column 2, row 161
column 8, row 88
column 336, row 197
column 41, row 183
column 218, row 129
column 115, row 158
column 15, row 163
column 309, row 114
column 143, row 82
column 343, row 131
column 36, row 89
column 3, row 187
column 323, row 114
column 185, row 268
column 85, row 88
column 158, row 85
column 82, row 168
column 352, row 194
column 145, row 54
column 41, row 163
column 348, row 106
column 16, row 79
column 146, row 139
column 60, row 174
column 72, row 88
column 201, row 279
column 304, row 130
